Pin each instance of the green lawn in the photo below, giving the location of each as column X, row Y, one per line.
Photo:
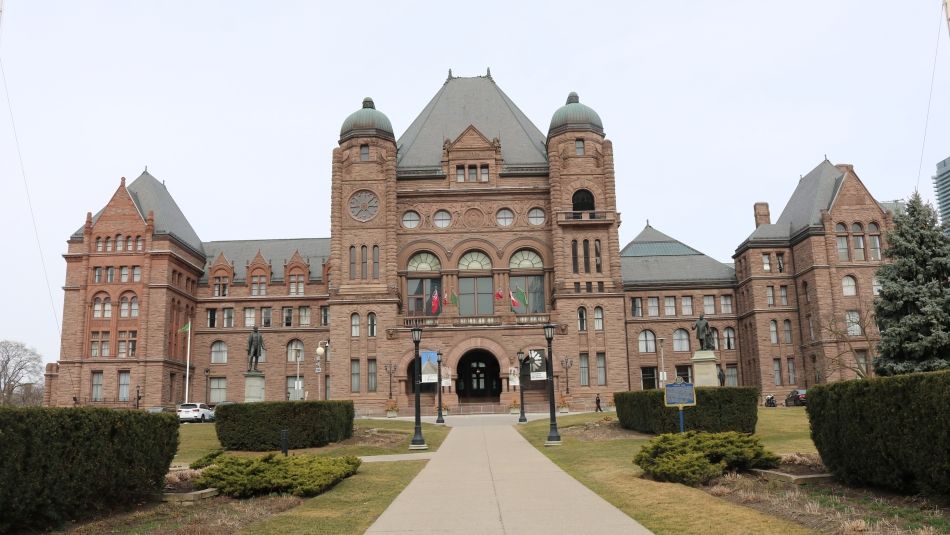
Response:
column 350, row 508
column 606, row 467
column 785, row 430
column 196, row 440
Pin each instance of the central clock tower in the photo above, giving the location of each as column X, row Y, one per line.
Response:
column 363, row 282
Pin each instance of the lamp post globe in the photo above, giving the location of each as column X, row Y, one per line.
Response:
column 418, row 443
column 521, row 419
column 554, row 438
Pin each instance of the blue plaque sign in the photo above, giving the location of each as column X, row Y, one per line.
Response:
column 680, row 395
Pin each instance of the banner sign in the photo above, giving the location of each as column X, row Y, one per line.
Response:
column 513, row 378
column 446, row 377
column 430, row 366
column 538, row 364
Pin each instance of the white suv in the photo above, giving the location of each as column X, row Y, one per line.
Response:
column 194, row 412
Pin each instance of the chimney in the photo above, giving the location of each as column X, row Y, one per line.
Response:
column 762, row 216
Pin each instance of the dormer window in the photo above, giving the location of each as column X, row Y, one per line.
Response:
column 364, row 153
column 472, row 173
column 579, row 147
column 484, row 176
column 460, row 173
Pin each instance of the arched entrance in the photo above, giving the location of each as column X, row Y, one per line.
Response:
column 478, row 378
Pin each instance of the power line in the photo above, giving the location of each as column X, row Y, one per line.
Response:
column 933, row 74
column 26, row 187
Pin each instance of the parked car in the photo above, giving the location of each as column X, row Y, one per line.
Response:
column 219, row 404
column 194, row 412
column 795, row 398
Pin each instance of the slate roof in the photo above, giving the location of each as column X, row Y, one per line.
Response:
column 149, row 194
column 814, row 193
column 653, row 257
column 241, row 252
column 475, row 101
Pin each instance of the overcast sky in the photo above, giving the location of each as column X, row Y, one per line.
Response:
column 237, row 106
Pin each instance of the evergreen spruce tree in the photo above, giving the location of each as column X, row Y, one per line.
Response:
column 913, row 308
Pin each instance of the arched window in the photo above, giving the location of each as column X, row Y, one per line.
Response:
column 680, row 340
column 528, row 288
column 375, row 261
column 295, row 351
column 219, row 352
column 773, row 331
column 581, row 319
column 586, row 256
column 106, row 307
column 354, row 324
column 574, row 256
column 124, row 307
column 108, row 244
column 729, row 337
column 849, row 286
column 129, row 244
column 97, row 307
column 371, row 325
column 787, row 331
column 352, row 261
column 598, row 319
column 98, row 245
column 139, row 243
column 598, row 262
column 475, row 289
column 363, row 262
column 582, row 201
column 715, row 337
column 647, row 342
column 842, row 242
column 858, row 241
column 876, row 286
column 874, row 239
column 423, row 280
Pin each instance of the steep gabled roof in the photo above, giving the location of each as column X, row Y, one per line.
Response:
column 475, row 101
column 150, row 195
column 814, row 193
column 241, row 252
column 653, row 257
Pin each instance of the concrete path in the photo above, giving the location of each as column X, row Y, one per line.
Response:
column 486, row 479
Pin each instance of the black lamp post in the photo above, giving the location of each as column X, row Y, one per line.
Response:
column 554, row 438
column 390, row 369
column 566, row 363
column 521, row 360
column 418, row 443
column 207, row 385
column 439, row 419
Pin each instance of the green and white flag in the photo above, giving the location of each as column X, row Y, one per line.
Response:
column 185, row 328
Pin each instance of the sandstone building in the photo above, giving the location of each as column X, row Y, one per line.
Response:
column 479, row 228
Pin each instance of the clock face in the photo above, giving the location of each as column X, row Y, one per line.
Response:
column 364, row 205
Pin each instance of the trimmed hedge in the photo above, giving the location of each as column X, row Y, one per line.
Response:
column 696, row 457
column 300, row 475
column 717, row 410
column 60, row 464
column 256, row 426
column 891, row 432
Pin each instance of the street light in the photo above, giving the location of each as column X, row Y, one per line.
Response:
column 390, row 368
column 207, row 385
column 439, row 419
column 418, row 443
column 554, row 438
column 662, row 363
column 521, row 361
column 323, row 348
column 566, row 363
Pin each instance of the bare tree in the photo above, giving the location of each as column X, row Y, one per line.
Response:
column 852, row 336
column 19, row 366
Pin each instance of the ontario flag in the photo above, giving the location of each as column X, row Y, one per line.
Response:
column 435, row 301
column 498, row 295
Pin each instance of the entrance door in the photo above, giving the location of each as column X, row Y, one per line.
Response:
column 479, row 378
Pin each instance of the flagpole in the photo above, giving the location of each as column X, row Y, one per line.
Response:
column 188, row 362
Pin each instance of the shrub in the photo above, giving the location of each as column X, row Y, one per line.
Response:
column 890, row 432
column 257, row 426
column 697, row 457
column 716, row 410
column 206, row 460
column 300, row 475
column 57, row 464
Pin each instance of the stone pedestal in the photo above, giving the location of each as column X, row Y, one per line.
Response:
column 705, row 372
column 253, row 386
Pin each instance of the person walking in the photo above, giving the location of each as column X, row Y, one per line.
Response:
column 597, row 407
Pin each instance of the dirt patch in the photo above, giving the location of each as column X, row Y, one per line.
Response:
column 606, row 428
column 834, row 508
column 372, row 436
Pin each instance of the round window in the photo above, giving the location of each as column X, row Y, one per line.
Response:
column 442, row 219
column 504, row 217
column 536, row 216
column 410, row 219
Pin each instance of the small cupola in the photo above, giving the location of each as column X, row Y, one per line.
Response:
column 367, row 122
column 574, row 116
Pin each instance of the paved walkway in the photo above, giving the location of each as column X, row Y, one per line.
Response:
column 486, row 479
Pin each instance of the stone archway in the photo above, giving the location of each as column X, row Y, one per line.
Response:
column 478, row 377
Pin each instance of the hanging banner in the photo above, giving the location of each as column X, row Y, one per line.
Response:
column 446, row 377
column 513, row 378
column 430, row 366
column 538, row 364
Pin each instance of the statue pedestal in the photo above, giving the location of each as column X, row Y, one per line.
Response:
column 705, row 372
column 253, row 386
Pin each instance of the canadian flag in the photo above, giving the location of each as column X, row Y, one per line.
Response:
column 435, row 301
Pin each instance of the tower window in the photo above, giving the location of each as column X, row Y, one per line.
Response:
column 579, row 147
column 364, row 153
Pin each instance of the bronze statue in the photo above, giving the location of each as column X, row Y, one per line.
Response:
column 255, row 347
column 703, row 333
